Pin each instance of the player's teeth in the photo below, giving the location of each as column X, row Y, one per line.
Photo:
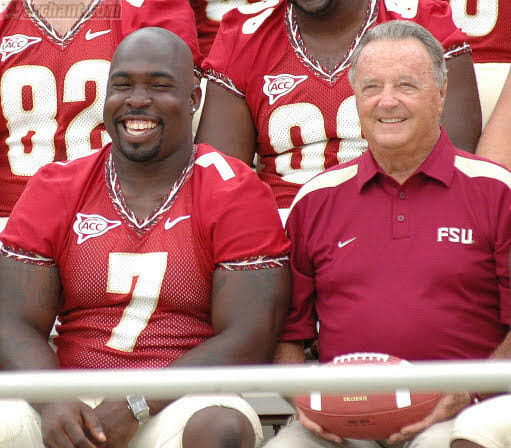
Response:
column 137, row 125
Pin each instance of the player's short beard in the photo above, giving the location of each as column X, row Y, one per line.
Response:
column 317, row 13
column 134, row 155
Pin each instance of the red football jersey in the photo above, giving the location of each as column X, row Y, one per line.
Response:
column 305, row 115
column 52, row 88
column 487, row 24
column 208, row 15
column 138, row 293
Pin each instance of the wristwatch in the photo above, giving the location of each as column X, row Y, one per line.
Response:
column 139, row 407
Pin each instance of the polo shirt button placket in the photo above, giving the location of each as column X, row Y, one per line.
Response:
column 400, row 213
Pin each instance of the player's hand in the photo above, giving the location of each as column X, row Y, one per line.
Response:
column 447, row 407
column 307, row 423
column 118, row 422
column 70, row 425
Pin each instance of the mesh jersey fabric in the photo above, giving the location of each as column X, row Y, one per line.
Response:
column 486, row 23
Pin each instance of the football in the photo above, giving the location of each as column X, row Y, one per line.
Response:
column 366, row 416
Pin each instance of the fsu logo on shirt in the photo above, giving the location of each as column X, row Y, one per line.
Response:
column 16, row 44
column 278, row 86
column 92, row 226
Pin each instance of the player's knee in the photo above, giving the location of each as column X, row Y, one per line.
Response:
column 485, row 424
column 464, row 444
column 437, row 435
column 218, row 427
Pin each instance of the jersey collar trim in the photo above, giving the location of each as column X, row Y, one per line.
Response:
column 119, row 202
column 47, row 29
column 312, row 63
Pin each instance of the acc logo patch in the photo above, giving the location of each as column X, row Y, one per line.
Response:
column 91, row 226
column 16, row 44
column 405, row 8
column 278, row 86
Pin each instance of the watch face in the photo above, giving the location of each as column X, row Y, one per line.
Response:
column 138, row 406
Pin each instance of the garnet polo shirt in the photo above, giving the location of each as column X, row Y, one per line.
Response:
column 418, row 270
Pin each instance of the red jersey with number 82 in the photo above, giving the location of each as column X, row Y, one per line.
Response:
column 487, row 24
column 305, row 114
column 137, row 293
column 52, row 88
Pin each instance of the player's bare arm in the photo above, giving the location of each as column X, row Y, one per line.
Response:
column 28, row 303
column 494, row 142
column 226, row 124
column 248, row 310
column 289, row 352
column 462, row 111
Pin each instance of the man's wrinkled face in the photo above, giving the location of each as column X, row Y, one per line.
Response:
column 398, row 98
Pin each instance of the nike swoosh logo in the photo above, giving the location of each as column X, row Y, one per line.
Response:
column 345, row 243
column 169, row 224
column 90, row 35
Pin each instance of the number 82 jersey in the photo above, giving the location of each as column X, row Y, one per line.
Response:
column 305, row 114
column 52, row 87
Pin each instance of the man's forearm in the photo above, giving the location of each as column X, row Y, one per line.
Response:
column 503, row 351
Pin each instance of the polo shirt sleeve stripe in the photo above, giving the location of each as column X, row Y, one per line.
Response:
column 326, row 180
column 482, row 168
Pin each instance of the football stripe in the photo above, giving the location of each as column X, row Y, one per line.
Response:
column 315, row 403
column 403, row 397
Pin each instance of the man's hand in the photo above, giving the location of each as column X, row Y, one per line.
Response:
column 307, row 423
column 447, row 407
column 118, row 422
column 69, row 425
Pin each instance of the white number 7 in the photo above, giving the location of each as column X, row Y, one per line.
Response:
column 221, row 165
column 149, row 269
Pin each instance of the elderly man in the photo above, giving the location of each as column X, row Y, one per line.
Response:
column 152, row 256
column 405, row 249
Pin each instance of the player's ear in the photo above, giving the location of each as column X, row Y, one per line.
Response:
column 195, row 98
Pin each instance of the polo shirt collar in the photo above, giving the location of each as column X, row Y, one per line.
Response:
column 438, row 165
